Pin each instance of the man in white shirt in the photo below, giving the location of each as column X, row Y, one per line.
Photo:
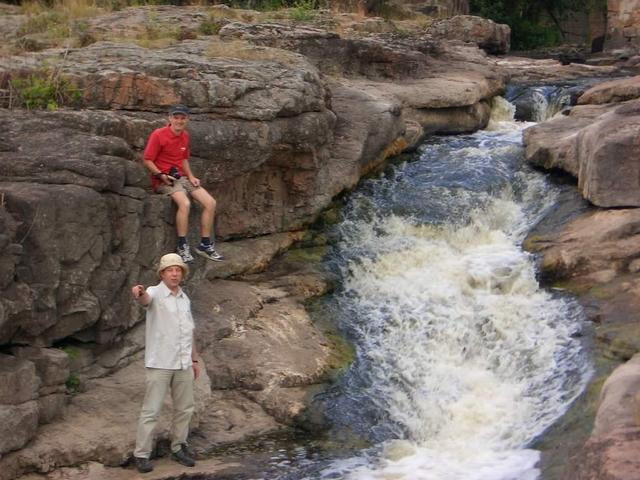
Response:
column 170, row 360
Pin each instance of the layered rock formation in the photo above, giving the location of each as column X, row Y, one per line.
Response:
column 595, row 256
column 284, row 119
column 597, row 142
column 623, row 24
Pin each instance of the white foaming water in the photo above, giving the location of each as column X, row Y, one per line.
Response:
column 470, row 358
column 501, row 112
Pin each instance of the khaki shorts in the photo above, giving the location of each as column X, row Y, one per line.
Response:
column 181, row 185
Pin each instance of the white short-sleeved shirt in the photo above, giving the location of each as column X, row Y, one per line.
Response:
column 169, row 329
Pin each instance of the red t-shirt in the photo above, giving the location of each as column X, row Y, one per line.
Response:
column 166, row 150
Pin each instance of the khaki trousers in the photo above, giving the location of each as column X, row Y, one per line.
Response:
column 158, row 382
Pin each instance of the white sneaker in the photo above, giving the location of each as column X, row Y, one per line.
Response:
column 185, row 253
column 209, row 252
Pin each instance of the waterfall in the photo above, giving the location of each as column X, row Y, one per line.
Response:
column 501, row 111
column 462, row 359
column 541, row 103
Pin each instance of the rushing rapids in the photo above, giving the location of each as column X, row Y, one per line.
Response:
column 462, row 359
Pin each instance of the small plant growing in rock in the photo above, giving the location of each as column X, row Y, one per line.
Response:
column 72, row 383
column 210, row 26
column 71, row 352
column 83, row 33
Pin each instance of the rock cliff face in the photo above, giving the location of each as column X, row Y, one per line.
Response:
column 623, row 24
column 595, row 256
column 284, row 118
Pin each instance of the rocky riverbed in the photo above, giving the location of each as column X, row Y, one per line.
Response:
column 286, row 117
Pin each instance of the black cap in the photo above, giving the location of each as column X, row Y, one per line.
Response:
column 178, row 109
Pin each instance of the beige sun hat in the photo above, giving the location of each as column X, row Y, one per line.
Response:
column 170, row 260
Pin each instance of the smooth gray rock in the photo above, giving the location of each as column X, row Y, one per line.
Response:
column 51, row 407
column 52, row 364
column 18, row 424
column 18, row 380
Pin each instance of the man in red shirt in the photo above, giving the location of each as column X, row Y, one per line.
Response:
column 166, row 156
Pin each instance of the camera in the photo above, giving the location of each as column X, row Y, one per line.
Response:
column 173, row 172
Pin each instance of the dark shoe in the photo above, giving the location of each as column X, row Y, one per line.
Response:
column 143, row 465
column 183, row 458
column 209, row 252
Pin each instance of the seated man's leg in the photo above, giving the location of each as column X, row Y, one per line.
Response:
column 208, row 204
column 207, row 244
column 183, row 205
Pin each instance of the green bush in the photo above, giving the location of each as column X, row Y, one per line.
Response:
column 42, row 23
column 534, row 23
column 527, row 35
column 44, row 90
column 303, row 11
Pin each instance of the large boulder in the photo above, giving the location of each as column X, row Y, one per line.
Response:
column 18, row 380
column 18, row 411
column 595, row 256
column 19, row 424
column 495, row 38
column 598, row 144
column 612, row 450
column 613, row 91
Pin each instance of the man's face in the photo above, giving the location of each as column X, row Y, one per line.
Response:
column 171, row 276
column 178, row 122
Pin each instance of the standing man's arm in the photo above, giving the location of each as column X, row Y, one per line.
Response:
column 140, row 295
column 194, row 358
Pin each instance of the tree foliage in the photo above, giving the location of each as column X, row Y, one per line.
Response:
column 534, row 23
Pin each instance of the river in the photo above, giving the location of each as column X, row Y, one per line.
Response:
column 461, row 360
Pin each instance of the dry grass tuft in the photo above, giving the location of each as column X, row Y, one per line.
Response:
column 243, row 50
